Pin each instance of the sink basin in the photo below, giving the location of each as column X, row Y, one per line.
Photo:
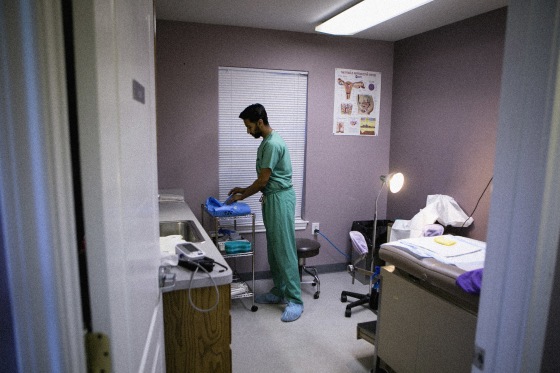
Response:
column 185, row 228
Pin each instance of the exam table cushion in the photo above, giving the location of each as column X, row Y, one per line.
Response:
column 429, row 271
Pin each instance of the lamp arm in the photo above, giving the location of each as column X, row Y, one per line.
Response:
column 374, row 236
column 375, row 219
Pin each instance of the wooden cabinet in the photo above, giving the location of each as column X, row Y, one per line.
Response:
column 197, row 341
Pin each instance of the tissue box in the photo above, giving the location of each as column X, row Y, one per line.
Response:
column 237, row 247
column 400, row 230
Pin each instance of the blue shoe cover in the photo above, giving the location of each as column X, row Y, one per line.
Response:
column 292, row 312
column 268, row 298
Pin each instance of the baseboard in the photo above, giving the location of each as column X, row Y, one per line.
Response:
column 323, row 268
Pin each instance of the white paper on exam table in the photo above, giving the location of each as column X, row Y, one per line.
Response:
column 466, row 253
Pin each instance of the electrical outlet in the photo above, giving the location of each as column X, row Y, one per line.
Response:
column 314, row 228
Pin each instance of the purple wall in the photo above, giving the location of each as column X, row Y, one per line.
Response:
column 341, row 171
column 439, row 112
column 446, row 91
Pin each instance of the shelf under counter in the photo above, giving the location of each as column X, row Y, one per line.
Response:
column 217, row 222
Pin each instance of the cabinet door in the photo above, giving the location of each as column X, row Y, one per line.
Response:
column 447, row 340
column 197, row 341
column 421, row 332
column 398, row 326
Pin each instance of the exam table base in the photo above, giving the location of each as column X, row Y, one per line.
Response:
column 419, row 330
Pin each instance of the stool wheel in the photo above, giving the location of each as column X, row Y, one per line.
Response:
column 254, row 308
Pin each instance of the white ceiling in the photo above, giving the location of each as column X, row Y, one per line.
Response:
column 304, row 15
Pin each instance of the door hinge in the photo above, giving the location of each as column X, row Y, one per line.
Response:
column 98, row 353
column 166, row 279
column 478, row 357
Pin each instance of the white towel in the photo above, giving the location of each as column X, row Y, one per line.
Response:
column 168, row 259
column 166, row 197
column 167, row 244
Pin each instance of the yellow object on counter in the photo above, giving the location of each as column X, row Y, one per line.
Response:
column 442, row 240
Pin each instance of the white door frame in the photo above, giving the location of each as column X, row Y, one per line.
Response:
column 38, row 243
column 36, row 195
column 115, row 83
column 524, row 222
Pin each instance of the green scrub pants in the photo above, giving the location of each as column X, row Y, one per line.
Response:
column 278, row 211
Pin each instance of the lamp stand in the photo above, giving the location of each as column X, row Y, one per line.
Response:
column 373, row 239
column 395, row 182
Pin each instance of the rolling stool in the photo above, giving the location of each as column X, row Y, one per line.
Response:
column 306, row 248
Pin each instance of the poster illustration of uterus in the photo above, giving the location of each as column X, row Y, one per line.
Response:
column 356, row 102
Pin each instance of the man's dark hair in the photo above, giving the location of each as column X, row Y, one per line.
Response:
column 253, row 113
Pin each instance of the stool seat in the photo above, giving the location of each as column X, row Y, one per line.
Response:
column 306, row 248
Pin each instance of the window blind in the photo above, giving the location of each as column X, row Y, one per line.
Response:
column 284, row 96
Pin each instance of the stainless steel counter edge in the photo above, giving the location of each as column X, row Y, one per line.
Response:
column 171, row 211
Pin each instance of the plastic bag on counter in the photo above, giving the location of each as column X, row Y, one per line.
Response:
column 217, row 208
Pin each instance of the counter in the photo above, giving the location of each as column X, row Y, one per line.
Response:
column 197, row 340
column 171, row 211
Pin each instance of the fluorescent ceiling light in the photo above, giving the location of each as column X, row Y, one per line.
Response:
column 367, row 14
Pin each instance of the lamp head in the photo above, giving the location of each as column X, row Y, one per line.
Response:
column 394, row 181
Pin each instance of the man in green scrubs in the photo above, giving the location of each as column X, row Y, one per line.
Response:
column 274, row 180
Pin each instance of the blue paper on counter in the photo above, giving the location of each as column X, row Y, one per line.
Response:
column 217, row 208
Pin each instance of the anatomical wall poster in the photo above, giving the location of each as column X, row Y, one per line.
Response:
column 356, row 102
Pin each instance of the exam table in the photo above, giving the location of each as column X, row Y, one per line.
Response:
column 425, row 323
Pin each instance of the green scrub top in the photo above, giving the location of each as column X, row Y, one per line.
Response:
column 273, row 153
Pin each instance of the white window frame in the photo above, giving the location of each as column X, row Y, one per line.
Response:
column 284, row 96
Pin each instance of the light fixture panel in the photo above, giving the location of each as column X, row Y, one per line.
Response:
column 367, row 14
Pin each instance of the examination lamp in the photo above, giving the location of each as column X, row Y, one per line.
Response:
column 366, row 14
column 394, row 182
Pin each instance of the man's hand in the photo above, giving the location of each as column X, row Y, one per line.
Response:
column 258, row 185
column 235, row 195
column 233, row 198
column 236, row 190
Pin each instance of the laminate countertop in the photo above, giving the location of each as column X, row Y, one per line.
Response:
column 172, row 211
